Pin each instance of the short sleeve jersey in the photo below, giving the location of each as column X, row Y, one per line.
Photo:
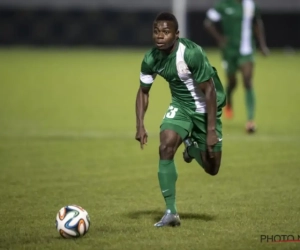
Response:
column 183, row 69
column 236, row 20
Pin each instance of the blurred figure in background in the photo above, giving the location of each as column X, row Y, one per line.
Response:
column 240, row 20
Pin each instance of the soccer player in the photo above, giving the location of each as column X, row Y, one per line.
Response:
column 194, row 114
column 238, row 19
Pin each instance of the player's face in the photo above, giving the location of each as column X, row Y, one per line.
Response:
column 164, row 34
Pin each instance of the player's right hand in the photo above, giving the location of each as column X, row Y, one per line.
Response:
column 141, row 136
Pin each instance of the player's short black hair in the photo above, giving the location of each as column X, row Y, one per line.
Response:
column 167, row 16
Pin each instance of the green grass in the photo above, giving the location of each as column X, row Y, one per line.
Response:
column 67, row 127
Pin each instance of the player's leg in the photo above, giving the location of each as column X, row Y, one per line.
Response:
column 198, row 150
column 170, row 140
column 230, row 66
column 231, row 85
column 167, row 173
column 247, row 68
column 211, row 165
column 174, row 128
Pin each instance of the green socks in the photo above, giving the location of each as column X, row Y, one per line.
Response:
column 250, row 103
column 195, row 153
column 167, row 176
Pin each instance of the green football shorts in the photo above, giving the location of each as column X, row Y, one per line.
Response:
column 232, row 60
column 186, row 122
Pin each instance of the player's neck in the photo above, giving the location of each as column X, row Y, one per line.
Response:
column 171, row 49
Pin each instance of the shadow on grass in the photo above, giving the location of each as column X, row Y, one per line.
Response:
column 60, row 238
column 156, row 215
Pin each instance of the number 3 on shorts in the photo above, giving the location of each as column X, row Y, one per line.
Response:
column 171, row 112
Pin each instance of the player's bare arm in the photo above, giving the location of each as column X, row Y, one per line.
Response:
column 260, row 35
column 208, row 88
column 213, row 31
column 141, row 105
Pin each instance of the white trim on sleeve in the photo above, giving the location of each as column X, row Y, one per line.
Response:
column 147, row 79
column 213, row 15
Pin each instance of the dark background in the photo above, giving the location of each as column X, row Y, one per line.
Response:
column 101, row 26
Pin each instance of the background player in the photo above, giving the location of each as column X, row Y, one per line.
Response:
column 237, row 44
column 196, row 107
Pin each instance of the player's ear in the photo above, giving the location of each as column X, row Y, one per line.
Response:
column 177, row 34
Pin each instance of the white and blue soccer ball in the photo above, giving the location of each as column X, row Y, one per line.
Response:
column 72, row 221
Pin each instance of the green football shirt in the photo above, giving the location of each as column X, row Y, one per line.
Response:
column 183, row 69
column 236, row 19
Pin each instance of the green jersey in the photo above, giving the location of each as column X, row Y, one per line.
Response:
column 183, row 69
column 236, row 19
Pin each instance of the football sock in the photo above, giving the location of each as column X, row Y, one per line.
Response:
column 167, row 177
column 250, row 104
column 196, row 153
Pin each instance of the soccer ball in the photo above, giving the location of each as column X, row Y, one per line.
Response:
column 72, row 221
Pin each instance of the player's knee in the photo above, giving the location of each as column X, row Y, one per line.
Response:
column 166, row 151
column 212, row 172
column 212, row 169
column 232, row 82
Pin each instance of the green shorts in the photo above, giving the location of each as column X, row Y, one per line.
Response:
column 232, row 60
column 186, row 122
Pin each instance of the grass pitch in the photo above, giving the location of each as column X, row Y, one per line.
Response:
column 67, row 125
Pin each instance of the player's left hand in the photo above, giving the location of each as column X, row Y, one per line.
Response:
column 265, row 50
column 211, row 141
